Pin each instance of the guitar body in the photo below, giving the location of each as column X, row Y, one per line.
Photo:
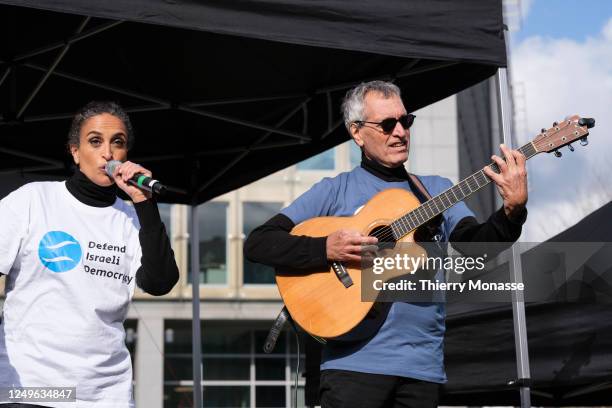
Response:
column 317, row 300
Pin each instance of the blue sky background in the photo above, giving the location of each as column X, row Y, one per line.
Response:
column 561, row 64
column 564, row 18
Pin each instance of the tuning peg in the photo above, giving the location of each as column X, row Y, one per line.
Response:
column 543, row 130
column 555, row 124
column 569, row 146
column 558, row 153
column 588, row 122
column 584, row 141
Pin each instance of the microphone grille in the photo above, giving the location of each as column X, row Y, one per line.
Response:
column 110, row 167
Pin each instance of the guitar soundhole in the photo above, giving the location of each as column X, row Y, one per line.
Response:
column 383, row 233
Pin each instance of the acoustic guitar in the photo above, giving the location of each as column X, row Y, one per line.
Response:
column 327, row 304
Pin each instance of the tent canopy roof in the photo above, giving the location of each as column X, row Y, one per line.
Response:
column 223, row 93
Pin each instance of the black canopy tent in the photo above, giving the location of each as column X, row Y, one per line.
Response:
column 223, row 93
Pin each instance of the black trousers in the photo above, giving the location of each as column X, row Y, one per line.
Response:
column 350, row 389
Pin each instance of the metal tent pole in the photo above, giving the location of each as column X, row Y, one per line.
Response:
column 516, row 272
column 195, row 324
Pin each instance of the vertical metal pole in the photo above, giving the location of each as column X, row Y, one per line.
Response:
column 516, row 271
column 195, row 324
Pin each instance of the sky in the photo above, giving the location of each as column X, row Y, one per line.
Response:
column 561, row 64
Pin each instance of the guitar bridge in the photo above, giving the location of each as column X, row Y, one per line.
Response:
column 342, row 274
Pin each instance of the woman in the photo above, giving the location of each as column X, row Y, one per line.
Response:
column 73, row 252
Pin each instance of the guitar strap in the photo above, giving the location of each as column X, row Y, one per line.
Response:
column 423, row 195
column 417, row 186
column 275, row 331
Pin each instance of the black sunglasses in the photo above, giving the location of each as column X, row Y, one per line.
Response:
column 387, row 125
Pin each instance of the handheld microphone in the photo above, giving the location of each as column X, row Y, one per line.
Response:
column 139, row 180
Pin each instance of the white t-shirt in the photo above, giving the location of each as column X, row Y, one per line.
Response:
column 70, row 277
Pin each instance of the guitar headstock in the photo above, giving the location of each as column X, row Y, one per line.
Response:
column 563, row 133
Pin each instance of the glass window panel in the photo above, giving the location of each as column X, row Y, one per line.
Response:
column 293, row 342
column 258, row 274
column 227, row 368
column 269, row 397
column 213, row 396
column 270, row 368
column 322, row 161
column 255, row 214
column 354, row 155
column 226, row 396
column 215, row 339
column 293, row 362
column 226, row 339
column 177, row 336
column 178, row 368
column 164, row 213
column 176, row 396
column 260, row 338
column 229, row 339
column 131, row 336
column 213, row 243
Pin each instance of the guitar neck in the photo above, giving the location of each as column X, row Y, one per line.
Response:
column 443, row 201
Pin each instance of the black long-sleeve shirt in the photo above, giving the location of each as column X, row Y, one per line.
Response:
column 158, row 272
column 272, row 244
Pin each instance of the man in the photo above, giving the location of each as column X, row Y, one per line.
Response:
column 402, row 364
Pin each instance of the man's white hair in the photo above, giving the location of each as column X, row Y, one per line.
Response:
column 353, row 103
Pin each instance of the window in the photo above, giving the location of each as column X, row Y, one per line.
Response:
column 237, row 373
column 354, row 154
column 212, row 221
column 164, row 213
column 322, row 161
column 131, row 336
column 255, row 214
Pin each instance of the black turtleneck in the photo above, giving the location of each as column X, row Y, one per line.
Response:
column 272, row 244
column 89, row 192
column 383, row 172
column 158, row 272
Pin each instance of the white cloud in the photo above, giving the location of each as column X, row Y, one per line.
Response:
column 607, row 31
column 559, row 77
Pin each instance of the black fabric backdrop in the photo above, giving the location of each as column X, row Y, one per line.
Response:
column 223, row 93
column 570, row 344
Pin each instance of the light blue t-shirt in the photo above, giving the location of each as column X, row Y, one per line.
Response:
column 410, row 341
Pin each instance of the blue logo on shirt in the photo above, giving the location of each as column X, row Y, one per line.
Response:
column 59, row 251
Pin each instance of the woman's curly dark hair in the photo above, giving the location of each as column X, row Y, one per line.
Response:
column 94, row 108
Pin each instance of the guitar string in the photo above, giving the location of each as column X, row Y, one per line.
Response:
column 387, row 232
column 432, row 206
column 472, row 183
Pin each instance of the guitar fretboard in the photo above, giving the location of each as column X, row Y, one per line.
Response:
column 448, row 198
